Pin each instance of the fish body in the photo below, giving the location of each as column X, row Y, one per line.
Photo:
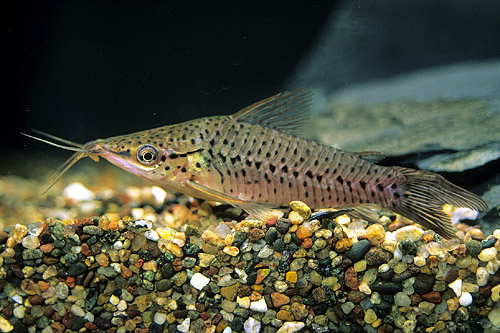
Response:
column 254, row 160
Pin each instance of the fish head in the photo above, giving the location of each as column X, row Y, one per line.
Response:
column 163, row 155
column 136, row 153
column 168, row 155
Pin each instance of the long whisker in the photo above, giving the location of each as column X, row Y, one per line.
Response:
column 79, row 149
column 62, row 166
column 56, row 138
column 65, row 167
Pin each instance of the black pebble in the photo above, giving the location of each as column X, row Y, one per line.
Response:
column 387, row 287
column 358, row 250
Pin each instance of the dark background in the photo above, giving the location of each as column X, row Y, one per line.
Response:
column 87, row 69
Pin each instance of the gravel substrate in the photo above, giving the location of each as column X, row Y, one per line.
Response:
column 206, row 269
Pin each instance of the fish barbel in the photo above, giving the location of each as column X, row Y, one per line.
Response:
column 254, row 160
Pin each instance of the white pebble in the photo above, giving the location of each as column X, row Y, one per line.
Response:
column 116, row 266
column 118, row 245
column 492, row 266
column 77, row 311
column 77, row 192
column 482, row 276
column 122, row 305
column 31, row 242
column 456, row 286
column 384, row 268
column 291, row 326
column 251, row 325
column 265, row 252
column 410, row 232
column 18, row 299
column 143, row 224
column 160, row 318
column 184, row 326
column 159, row 194
column 151, row 235
column 199, row 281
column 114, row 300
column 259, row 306
column 465, row 299
column 401, row 299
column 19, row 311
column 227, row 330
column 89, row 316
column 463, row 214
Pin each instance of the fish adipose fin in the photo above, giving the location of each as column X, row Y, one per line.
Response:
column 421, row 197
column 260, row 211
column 286, row 111
column 371, row 156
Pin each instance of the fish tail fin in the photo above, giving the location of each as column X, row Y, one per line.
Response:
column 421, row 195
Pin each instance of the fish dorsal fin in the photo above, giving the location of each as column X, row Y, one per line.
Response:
column 288, row 111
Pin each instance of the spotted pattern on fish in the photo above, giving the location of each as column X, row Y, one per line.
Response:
column 254, row 160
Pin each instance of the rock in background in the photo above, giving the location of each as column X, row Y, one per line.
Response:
column 424, row 92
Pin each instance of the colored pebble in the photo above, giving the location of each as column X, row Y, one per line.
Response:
column 487, row 254
column 301, row 208
column 273, row 276
column 375, row 234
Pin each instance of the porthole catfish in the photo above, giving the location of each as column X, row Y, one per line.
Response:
column 254, row 160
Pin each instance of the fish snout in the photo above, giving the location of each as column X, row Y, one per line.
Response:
column 95, row 147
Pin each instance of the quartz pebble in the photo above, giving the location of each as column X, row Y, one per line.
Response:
column 465, row 299
column 259, row 306
column 251, row 325
column 206, row 269
column 487, row 254
column 184, row 326
column 482, row 276
column 291, row 326
column 457, row 287
column 411, row 233
column 199, row 281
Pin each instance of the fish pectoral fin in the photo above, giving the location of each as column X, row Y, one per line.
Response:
column 287, row 111
column 260, row 211
column 213, row 193
column 371, row 156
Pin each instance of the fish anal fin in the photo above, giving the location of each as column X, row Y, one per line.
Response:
column 260, row 211
column 286, row 111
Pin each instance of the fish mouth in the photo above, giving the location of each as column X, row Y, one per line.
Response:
column 99, row 148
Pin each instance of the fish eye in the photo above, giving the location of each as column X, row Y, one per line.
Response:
column 147, row 155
